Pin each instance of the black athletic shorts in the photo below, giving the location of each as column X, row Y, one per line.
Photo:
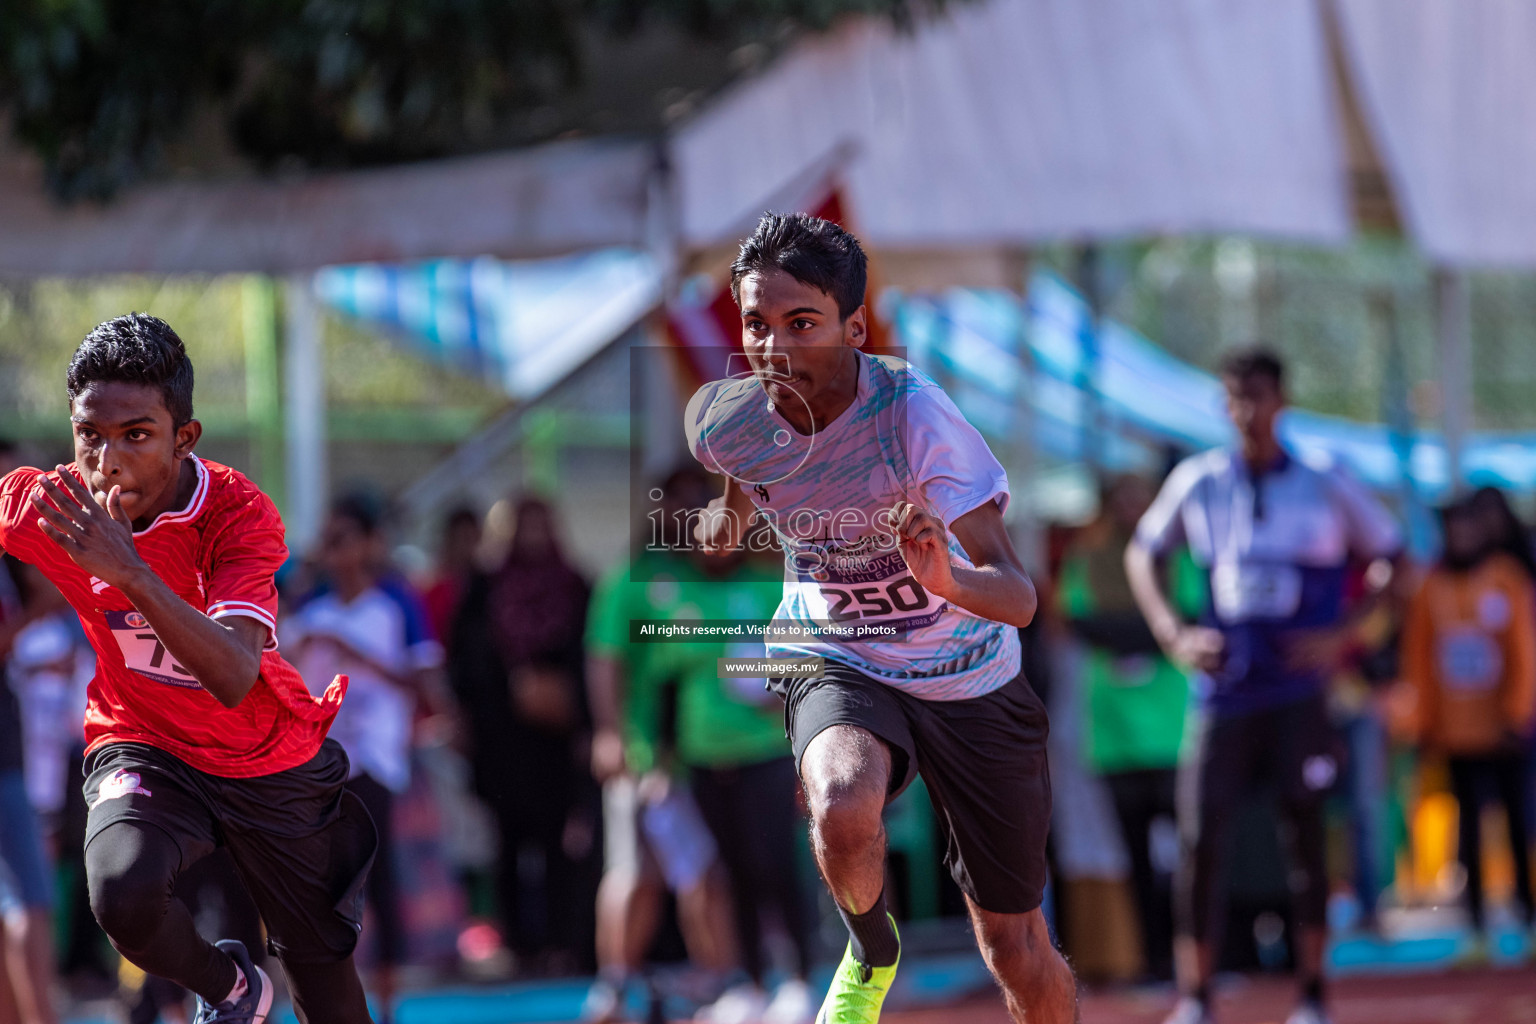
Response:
column 302, row 844
column 983, row 761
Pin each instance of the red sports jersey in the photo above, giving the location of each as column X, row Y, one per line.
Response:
column 220, row 554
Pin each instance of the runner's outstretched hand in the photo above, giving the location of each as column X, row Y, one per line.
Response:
column 98, row 537
column 924, row 544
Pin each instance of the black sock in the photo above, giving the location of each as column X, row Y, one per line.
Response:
column 874, row 940
column 1312, row 990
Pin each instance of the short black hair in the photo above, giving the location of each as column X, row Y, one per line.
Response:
column 135, row 349
column 812, row 251
column 362, row 508
column 1257, row 361
column 460, row 515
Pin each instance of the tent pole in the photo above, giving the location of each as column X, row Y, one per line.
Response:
column 263, row 392
column 1454, row 313
column 304, row 412
column 1089, row 281
column 1029, row 535
column 654, row 384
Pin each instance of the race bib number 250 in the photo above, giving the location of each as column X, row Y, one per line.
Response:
column 144, row 653
column 880, row 590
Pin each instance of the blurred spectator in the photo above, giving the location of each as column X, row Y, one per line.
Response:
column 1276, row 534
column 729, row 737
column 1504, row 530
column 26, row 888
column 654, row 835
column 1356, row 708
column 358, row 628
column 1136, row 699
column 50, row 668
column 1469, row 651
column 516, row 662
column 455, row 571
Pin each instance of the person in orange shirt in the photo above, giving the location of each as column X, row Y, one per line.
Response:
column 1469, row 652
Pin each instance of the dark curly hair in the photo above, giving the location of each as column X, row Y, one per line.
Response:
column 812, row 251
column 135, row 349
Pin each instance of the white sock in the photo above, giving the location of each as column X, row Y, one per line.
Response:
column 241, row 986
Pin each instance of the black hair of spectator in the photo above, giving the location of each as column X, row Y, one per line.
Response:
column 460, row 515
column 684, row 475
column 1513, row 538
column 362, row 509
column 135, row 348
column 1257, row 361
column 812, row 251
column 1456, row 508
column 7, row 446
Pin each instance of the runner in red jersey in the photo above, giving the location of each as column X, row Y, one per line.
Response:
column 218, row 555
column 199, row 733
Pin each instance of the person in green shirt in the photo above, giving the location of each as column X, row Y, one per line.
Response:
column 654, row 836
column 730, row 739
column 1135, row 699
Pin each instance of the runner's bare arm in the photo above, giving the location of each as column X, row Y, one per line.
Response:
column 723, row 522
column 996, row 588
column 224, row 655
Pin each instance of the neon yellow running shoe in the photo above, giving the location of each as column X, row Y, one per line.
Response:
column 857, row 990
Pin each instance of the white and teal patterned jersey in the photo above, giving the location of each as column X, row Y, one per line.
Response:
column 829, row 498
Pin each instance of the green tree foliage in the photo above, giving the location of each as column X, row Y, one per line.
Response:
column 104, row 90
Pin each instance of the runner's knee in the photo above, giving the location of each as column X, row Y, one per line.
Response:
column 845, row 787
column 846, row 772
column 130, row 871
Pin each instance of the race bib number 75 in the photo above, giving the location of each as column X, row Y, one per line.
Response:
column 144, row 653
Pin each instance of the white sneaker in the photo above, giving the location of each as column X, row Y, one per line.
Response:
column 1307, row 1013
column 741, row 1004
column 1189, row 1011
column 604, row 1004
column 793, row 1003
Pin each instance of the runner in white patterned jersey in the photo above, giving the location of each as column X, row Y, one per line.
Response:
column 889, row 507
column 902, row 439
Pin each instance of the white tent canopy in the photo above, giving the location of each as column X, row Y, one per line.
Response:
column 538, row 202
column 1021, row 120
column 1001, row 122
column 1448, row 89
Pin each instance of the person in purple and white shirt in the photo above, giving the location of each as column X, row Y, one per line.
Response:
column 1276, row 533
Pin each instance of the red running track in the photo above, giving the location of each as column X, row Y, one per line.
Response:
column 1463, row 997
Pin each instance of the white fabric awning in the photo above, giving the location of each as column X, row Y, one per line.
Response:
column 1448, row 89
column 1014, row 121
column 537, row 202
column 999, row 123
